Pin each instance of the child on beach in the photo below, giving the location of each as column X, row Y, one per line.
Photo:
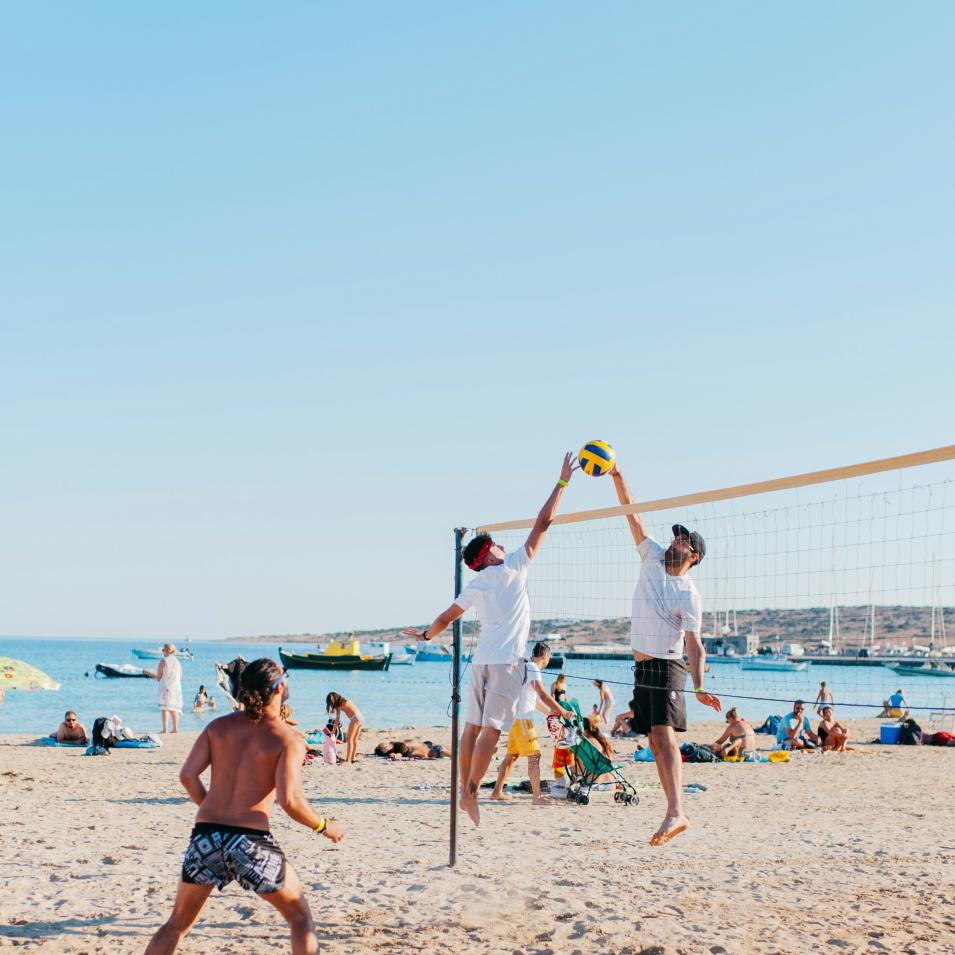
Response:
column 522, row 739
column 337, row 704
column 329, row 748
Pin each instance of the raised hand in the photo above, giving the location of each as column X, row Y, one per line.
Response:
column 569, row 466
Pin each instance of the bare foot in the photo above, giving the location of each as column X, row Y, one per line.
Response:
column 469, row 804
column 671, row 826
column 502, row 797
column 543, row 801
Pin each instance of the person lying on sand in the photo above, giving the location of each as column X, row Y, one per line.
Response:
column 71, row 730
column 411, row 749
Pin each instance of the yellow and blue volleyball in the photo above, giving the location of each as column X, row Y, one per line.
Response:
column 596, row 458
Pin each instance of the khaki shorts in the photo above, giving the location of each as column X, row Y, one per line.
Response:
column 495, row 693
column 522, row 740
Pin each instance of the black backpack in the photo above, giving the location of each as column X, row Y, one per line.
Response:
column 911, row 734
column 98, row 739
column 698, row 753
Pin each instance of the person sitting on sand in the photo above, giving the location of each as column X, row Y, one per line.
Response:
column 337, row 704
column 896, row 706
column 522, row 738
column 621, row 724
column 832, row 735
column 255, row 758
column 738, row 739
column 794, row 730
column 71, row 730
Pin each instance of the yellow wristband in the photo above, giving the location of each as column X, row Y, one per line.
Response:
column 322, row 826
column 562, row 482
column 699, row 689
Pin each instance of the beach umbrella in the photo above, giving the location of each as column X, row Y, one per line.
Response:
column 17, row 675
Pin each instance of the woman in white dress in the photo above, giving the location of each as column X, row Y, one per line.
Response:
column 169, row 675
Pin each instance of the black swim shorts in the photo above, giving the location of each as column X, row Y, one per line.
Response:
column 658, row 698
column 219, row 854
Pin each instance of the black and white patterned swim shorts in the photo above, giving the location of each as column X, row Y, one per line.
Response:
column 219, row 854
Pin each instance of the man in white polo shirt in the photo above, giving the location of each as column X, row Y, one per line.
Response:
column 667, row 617
column 499, row 594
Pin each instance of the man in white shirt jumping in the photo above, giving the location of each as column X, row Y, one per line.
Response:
column 499, row 594
column 667, row 616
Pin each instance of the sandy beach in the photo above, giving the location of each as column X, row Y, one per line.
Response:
column 837, row 852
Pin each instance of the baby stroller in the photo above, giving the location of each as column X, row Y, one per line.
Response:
column 589, row 763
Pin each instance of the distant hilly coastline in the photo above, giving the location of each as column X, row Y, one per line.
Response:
column 900, row 625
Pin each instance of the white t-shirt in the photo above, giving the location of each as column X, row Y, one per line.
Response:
column 528, row 704
column 499, row 594
column 664, row 606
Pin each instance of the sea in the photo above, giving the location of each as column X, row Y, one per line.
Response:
column 404, row 696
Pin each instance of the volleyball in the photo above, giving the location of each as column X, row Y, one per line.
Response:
column 596, row 458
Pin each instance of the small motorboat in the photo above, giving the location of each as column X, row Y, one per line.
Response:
column 116, row 670
column 718, row 658
column 338, row 656
column 405, row 656
column 932, row 668
column 185, row 654
column 769, row 662
column 438, row 654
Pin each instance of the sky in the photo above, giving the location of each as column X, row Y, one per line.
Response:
column 289, row 293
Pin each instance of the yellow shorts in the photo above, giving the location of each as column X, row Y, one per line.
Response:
column 562, row 759
column 522, row 740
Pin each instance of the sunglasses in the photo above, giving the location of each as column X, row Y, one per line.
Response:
column 279, row 681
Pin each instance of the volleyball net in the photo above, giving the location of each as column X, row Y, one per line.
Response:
column 845, row 576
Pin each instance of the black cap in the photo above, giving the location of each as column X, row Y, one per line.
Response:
column 697, row 544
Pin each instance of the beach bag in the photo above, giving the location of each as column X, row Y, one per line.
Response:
column 697, row 753
column 102, row 738
column 911, row 734
column 771, row 725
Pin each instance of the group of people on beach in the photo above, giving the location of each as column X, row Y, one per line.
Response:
column 231, row 840
column 666, row 622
